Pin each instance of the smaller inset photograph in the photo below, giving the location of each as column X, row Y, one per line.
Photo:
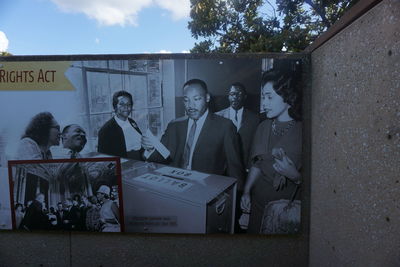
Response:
column 66, row 195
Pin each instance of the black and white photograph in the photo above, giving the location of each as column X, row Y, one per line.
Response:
column 206, row 145
column 66, row 195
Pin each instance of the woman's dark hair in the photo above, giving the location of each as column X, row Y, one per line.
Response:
column 118, row 94
column 39, row 127
column 286, row 83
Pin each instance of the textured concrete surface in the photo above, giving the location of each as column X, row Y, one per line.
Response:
column 355, row 187
column 34, row 249
column 185, row 250
column 108, row 249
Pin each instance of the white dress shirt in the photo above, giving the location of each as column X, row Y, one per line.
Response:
column 132, row 137
column 64, row 153
column 232, row 114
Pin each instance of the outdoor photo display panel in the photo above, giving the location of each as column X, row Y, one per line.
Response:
column 206, row 145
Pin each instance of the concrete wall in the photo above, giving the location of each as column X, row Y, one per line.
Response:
column 355, row 190
column 57, row 249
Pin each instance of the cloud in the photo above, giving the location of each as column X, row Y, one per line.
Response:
column 3, row 42
column 185, row 51
column 121, row 12
column 179, row 8
column 97, row 40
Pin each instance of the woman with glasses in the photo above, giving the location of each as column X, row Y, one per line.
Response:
column 121, row 136
column 42, row 132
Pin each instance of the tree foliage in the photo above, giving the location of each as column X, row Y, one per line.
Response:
column 5, row 53
column 230, row 26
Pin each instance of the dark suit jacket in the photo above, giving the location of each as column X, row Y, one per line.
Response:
column 112, row 140
column 216, row 150
column 72, row 215
column 60, row 218
column 247, row 129
column 35, row 218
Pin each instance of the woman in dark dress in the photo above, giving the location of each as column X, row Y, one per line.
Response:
column 276, row 150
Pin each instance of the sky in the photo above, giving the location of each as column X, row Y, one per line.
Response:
column 69, row 27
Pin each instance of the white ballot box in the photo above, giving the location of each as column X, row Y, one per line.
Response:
column 163, row 199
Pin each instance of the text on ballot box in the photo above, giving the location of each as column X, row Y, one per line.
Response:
column 180, row 173
column 171, row 183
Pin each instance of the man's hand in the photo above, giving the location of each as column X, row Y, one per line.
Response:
column 245, row 203
column 147, row 143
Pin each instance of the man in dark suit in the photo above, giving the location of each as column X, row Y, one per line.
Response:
column 60, row 215
column 120, row 136
column 71, row 215
column 246, row 121
column 35, row 217
column 200, row 141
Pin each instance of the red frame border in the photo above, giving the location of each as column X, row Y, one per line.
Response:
column 117, row 160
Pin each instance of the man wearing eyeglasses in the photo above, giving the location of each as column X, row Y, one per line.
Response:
column 246, row 121
column 120, row 136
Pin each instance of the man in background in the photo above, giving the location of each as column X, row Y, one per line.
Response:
column 73, row 140
column 60, row 215
column 71, row 216
column 121, row 136
column 246, row 121
column 200, row 141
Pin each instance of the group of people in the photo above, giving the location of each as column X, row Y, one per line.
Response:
column 99, row 213
column 265, row 157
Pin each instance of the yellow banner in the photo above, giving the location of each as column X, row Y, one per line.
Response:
column 34, row 76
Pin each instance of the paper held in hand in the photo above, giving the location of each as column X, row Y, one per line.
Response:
column 157, row 144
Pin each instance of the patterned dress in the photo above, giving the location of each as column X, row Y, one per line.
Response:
column 288, row 136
